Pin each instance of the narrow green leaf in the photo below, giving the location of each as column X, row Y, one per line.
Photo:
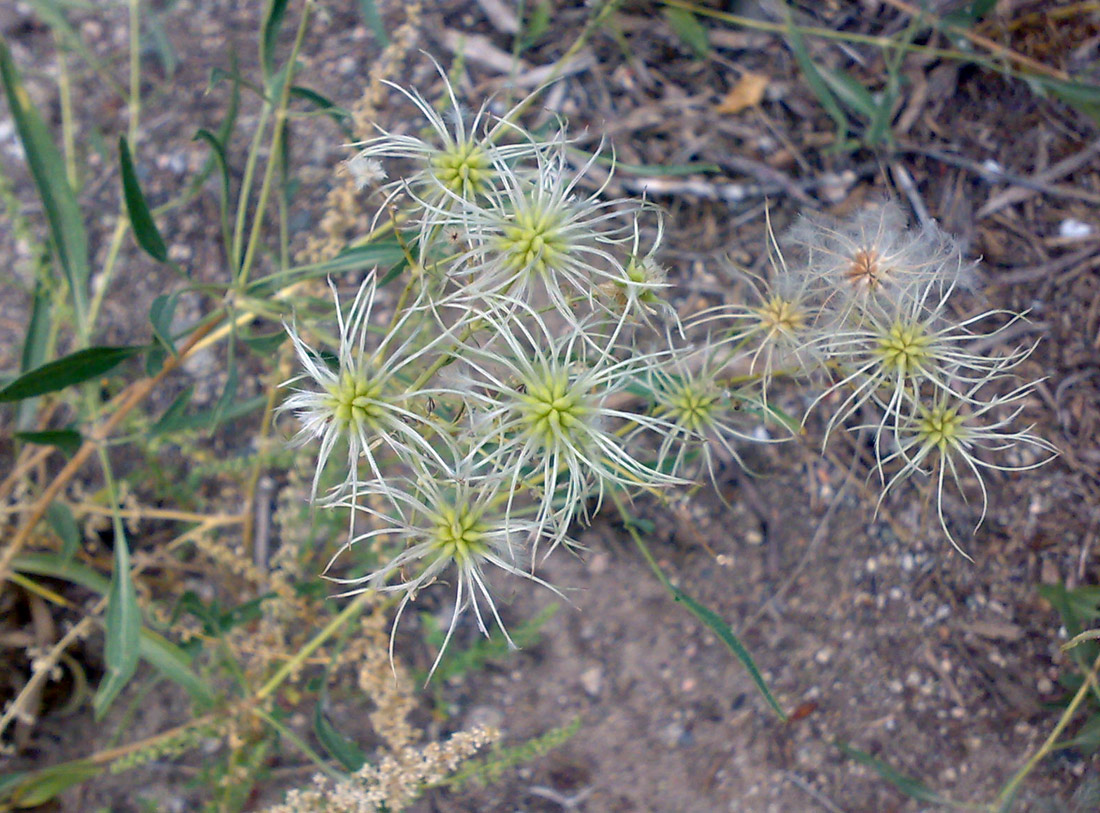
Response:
column 225, row 130
column 67, row 234
column 160, row 315
column 155, row 357
column 537, row 24
column 265, row 346
column 67, row 440
column 1077, row 607
column 62, row 522
column 1087, row 738
column 174, row 664
column 273, row 21
column 160, row 653
column 688, row 28
column 207, row 419
column 383, row 253
column 374, row 22
column 816, row 81
column 328, row 107
column 1082, row 96
column 35, row 345
column 83, row 365
column 346, row 752
column 54, row 566
column 174, row 414
column 727, row 636
column 850, row 92
column 42, row 786
column 907, row 785
column 716, row 623
column 9, row 781
column 218, row 155
column 123, row 622
column 141, row 219
column 161, row 44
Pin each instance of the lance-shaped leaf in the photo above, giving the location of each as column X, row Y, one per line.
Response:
column 141, row 219
column 48, row 170
column 83, row 365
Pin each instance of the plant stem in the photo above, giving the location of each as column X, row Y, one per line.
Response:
column 273, row 158
column 354, row 608
column 1008, row 792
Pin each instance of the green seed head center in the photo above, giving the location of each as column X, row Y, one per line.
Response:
column 464, row 169
column 781, row 316
column 460, row 534
column 905, row 347
column 641, row 272
column 534, row 241
column 693, row 408
column 942, row 427
column 552, row 409
column 354, row 400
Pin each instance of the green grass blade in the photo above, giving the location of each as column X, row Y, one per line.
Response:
column 907, row 785
column 341, row 748
column 816, row 81
column 67, row 236
column 74, row 368
column 67, row 440
column 36, row 347
column 36, row 343
column 688, row 28
column 218, row 156
column 325, row 106
column 62, row 522
column 716, row 623
column 160, row 316
column 727, row 636
column 174, row 664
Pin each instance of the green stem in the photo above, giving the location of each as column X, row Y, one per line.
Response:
column 135, row 70
column 285, row 732
column 279, row 129
column 1008, row 792
column 353, row 609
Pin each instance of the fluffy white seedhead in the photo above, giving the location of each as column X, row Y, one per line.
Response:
column 550, row 410
column 534, row 238
column 874, row 258
column 707, row 412
column 361, row 399
column 449, row 156
column 451, row 524
column 778, row 323
column 959, row 434
column 902, row 352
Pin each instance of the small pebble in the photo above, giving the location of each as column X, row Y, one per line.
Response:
column 1074, row 229
column 591, row 680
